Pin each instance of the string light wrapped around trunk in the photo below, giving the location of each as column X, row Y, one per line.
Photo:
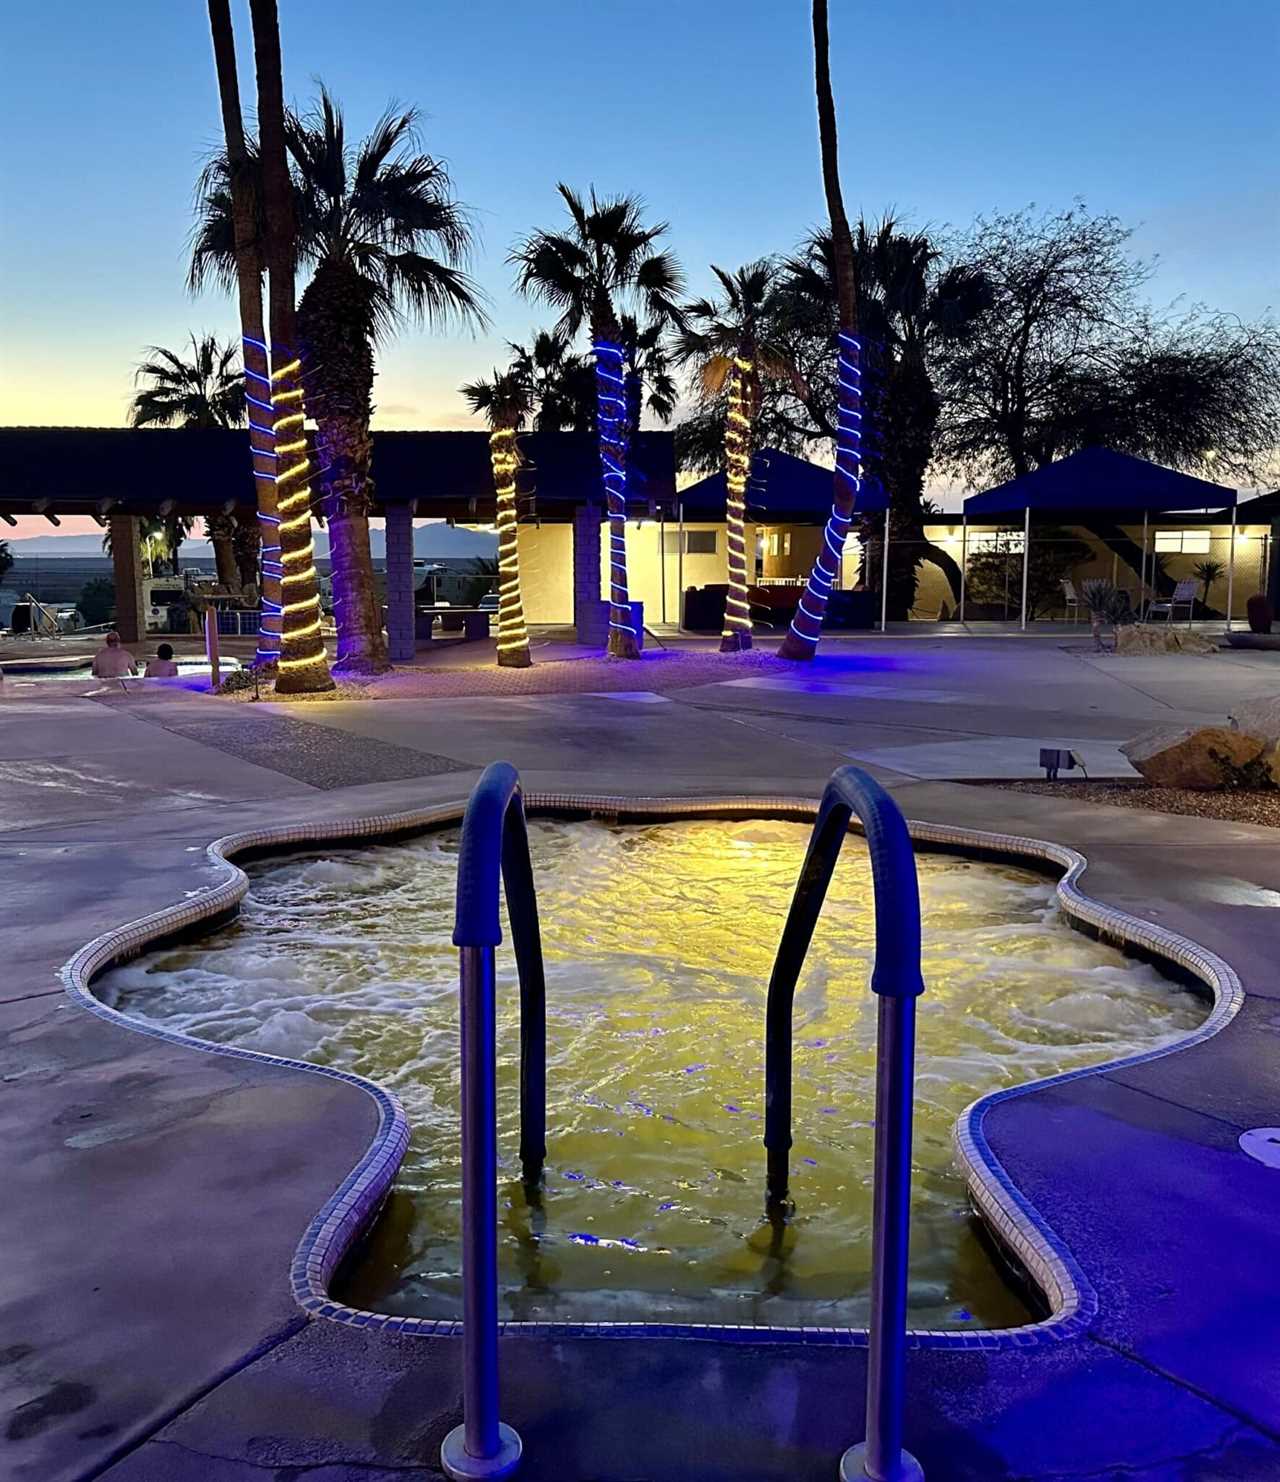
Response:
column 513, row 636
column 262, row 445
column 611, row 410
column 736, row 635
column 806, row 626
column 301, row 644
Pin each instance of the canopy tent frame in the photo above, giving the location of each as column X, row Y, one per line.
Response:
column 1098, row 480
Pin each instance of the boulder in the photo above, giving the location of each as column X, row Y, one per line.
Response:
column 1181, row 757
column 1259, row 718
column 1150, row 638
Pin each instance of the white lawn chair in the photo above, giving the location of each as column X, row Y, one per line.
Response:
column 1070, row 600
column 1184, row 595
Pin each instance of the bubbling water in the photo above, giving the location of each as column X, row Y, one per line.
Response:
column 659, row 942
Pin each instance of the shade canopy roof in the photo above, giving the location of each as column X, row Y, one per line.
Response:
column 1096, row 480
column 782, row 490
column 74, row 470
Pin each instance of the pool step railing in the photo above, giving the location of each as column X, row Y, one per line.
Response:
column 896, row 980
column 494, row 850
column 494, row 855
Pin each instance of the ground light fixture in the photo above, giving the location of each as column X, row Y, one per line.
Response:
column 1058, row 758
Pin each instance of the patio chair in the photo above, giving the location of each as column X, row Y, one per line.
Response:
column 1070, row 600
column 1184, row 595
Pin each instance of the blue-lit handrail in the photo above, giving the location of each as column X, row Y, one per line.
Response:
column 494, row 853
column 896, row 980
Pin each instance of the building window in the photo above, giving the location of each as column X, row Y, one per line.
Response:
column 1184, row 542
column 786, row 542
column 696, row 542
column 773, row 542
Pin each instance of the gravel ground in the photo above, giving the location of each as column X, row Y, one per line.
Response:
column 658, row 670
column 1233, row 807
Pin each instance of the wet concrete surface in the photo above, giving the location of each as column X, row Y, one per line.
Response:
column 154, row 1193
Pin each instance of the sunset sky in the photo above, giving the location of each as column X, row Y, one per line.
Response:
column 1164, row 113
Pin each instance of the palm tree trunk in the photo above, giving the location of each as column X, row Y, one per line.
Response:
column 513, row 635
column 611, row 415
column 252, row 330
column 362, row 644
column 221, row 530
column 303, row 667
column 339, row 359
column 736, row 635
column 344, row 446
column 801, row 641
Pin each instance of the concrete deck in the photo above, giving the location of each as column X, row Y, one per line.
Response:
column 156, row 1193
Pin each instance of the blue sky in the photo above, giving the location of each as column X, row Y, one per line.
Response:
column 1161, row 112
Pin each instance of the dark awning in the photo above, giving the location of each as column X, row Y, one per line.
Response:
column 1096, row 480
column 73, row 470
column 783, row 490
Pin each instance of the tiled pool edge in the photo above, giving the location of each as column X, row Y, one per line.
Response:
column 339, row 1223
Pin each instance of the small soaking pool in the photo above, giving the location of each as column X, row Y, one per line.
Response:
column 659, row 941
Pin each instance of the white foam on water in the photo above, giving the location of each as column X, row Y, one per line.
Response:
column 659, row 942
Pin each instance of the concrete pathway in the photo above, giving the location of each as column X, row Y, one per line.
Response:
column 155, row 1194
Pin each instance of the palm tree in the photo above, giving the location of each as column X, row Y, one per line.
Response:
column 727, row 338
column 1207, row 572
column 205, row 391
column 606, row 259
column 234, row 183
column 303, row 666
column 387, row 241
column 801, row 641
column 650, row 385
column 909, row 306
column 562, row 383
column 506, row 401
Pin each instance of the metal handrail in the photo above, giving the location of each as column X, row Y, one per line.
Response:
column 897, row 981
column 494, row 851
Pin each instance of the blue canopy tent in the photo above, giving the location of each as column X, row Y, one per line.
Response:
column 1093, row 481
column 783, row 490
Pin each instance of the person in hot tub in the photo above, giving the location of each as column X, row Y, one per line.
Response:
column 113, row 660
column 162, row 666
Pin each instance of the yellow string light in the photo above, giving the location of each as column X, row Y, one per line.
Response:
column 513, row 635
column 297, row 564
column 737, row 447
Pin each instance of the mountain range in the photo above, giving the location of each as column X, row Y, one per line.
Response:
column 435, row 540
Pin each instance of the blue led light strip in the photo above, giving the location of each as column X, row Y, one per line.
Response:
column 270, row 567
column 826, row 569
column 611, row 411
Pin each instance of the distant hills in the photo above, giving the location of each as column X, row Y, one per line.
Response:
column 433, row 541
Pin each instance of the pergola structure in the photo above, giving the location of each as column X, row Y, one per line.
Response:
column 117, row 475
column 1097, row 481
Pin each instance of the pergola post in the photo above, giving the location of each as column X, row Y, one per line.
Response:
column 126, row 561
column 401, row 646
column 1142, row 575
column 590, row 613
column 884, row 578
column 1231, row 568
column 680, row 567
column 964, row 559
column 1026, row 559
column 662, row 558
